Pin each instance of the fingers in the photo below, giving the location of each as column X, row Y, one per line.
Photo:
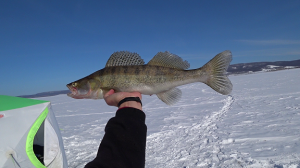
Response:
column 112, row 98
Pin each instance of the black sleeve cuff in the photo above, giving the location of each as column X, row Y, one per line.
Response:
column 133, row 113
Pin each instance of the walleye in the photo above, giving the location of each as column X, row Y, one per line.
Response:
column 127, row 72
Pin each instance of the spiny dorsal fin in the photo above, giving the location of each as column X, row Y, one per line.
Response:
column 167, row 59
column 170, row 97
column 124, row 58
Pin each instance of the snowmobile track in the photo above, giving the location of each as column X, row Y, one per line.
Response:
column 203, row 144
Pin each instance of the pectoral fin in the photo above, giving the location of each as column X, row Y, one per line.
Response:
column 171, row 96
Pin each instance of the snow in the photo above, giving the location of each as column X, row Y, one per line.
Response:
column 290, row 67
column 272, row 66
column 256, row 126
column 266, row 70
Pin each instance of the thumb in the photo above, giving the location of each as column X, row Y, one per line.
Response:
column 109, row 93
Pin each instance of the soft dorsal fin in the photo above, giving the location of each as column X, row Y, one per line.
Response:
column 167, row 59
column 124, row 58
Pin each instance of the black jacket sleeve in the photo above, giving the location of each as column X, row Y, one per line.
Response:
column 124, row 142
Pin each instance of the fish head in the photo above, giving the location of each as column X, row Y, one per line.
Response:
column 85, row 89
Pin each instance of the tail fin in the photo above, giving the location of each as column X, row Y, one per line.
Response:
column 216, row 69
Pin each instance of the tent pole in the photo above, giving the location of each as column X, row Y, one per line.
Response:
column 15, row 160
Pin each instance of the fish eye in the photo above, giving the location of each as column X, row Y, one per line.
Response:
column 74, row 84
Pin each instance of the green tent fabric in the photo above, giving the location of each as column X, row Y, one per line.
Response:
column 10, row 102
column 29, row 134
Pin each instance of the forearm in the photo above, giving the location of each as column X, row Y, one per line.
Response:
column 124, row 142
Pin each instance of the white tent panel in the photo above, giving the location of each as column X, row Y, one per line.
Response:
column 51, row 147
column 54, row 155
column 33, row 125
column 14, row 127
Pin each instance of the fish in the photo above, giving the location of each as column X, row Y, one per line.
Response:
column 127, row 72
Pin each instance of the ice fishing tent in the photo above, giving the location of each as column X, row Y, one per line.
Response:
column 29, row 134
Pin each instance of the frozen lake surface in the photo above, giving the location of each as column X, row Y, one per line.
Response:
column 258, row 125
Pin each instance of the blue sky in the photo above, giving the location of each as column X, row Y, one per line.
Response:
column 46, row 44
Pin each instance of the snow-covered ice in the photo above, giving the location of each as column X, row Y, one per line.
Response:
column 258, row 125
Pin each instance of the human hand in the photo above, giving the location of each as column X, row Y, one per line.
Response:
column 112, row 99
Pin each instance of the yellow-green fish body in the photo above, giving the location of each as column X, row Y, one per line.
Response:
column 126, row 72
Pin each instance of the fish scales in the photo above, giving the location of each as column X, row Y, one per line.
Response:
column 124, row 78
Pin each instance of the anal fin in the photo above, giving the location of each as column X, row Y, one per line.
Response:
column 171, row 96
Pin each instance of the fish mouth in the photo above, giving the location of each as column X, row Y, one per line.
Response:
column 73, row 91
